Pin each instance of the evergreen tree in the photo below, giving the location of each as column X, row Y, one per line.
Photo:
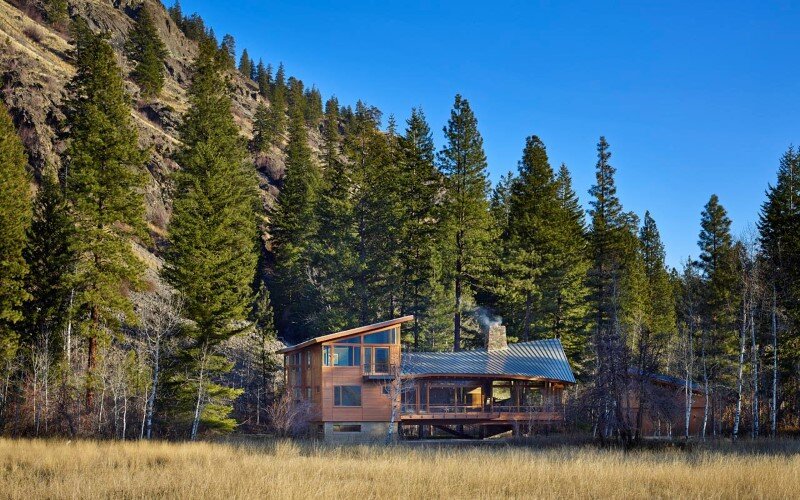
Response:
column 50, row 257
column 534, row 215
column 227, row 51
column 419, row 184
column 292, row 226
column 296, row 97
column 261, row 129
column 615, row 279
column 104, row 180
column 263, row 78
column 278, row 108
column 463, row 163
column 779, row 227
column 56, row 11
column 15, row 219
column 334, row 244
column 313, row 106
column 146, row 49
column 245, row 64
column 212, row 255
column 571, row 265
column 176, row 14
column 264, row 322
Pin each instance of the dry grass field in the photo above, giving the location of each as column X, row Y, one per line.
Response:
column 282, row 469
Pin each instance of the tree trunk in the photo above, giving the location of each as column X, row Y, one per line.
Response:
column 706, row 390
column 457, row 313
column 755, row 373
column 152, row 397
column 740, row 376
column 198, row 405
column 774, row 406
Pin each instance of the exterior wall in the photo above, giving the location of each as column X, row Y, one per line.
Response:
column 371, row 432
column 311, row 379
column 673, row 422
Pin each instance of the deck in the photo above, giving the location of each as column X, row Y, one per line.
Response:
column 450, row 414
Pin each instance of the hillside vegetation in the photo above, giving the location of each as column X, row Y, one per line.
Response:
column 282, row 469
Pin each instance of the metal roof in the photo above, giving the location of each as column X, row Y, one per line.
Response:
column 539, row 359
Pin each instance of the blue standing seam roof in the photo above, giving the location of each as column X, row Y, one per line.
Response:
column 536, row 359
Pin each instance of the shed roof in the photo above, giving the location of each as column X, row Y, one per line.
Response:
column 540, row 359
column 347, row 333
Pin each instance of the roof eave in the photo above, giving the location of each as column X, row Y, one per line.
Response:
column 346, row 333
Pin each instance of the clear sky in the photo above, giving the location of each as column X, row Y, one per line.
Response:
column 695, row 98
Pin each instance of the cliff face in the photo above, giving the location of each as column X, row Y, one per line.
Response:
column 36, row 65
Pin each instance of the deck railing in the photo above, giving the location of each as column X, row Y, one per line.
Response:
column 378, row 368
column 434, row 409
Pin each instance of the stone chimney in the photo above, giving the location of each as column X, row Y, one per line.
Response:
column 495, row 334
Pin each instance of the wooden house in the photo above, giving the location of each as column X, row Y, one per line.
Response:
column 360, row 384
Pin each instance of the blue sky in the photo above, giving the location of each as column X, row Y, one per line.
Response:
column 694, row 99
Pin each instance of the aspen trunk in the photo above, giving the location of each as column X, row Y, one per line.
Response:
column 774, row 408
column 755, row 373
column 197, row 408
column 739, row 380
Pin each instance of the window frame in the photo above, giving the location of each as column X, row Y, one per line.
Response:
column 338, row 397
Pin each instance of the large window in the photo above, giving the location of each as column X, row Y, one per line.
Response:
column 346, row 355
column 381, row 337
column 346, row 395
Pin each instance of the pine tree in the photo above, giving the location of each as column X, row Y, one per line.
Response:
column 278, row 108
column 615, row 279
column 261, row 129
column 146, row 49
column 15, row 219
column 718, row 267
column 176, row 14
column 571, row 264
column 418, row 187
column 263, row 78
column 245, row 64
column 657, row 326
column 534, row 211
column 292, row 225
column 104, row 180
column 297, row 99
column 334, row 244
column 212, row 255
column 779, row 227
column 227, row 50
column 313, row 106
column 264, row 322
column 463, row 163
column 51, row 259
column 56, row 11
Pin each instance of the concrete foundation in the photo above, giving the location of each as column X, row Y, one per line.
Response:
column 355, row 432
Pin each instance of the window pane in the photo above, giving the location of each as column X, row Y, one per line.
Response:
column 381, row 355
column 326, row 355
column 381, row 337
column 352, row 340
column 347, row 395
column 342, row 356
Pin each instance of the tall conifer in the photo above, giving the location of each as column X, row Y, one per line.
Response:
column 463, row 163
column 212, row 255
column 15, row 219
column 104, row 181
column 146, row 49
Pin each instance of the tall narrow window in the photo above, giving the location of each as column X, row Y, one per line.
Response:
column 326, row 355
column 381, row 360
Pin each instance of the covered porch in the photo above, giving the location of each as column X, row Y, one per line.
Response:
column 475, row 399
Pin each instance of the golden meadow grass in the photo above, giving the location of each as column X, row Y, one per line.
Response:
column 283, row 469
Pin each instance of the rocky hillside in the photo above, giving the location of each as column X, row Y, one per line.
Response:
column 36, row 64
